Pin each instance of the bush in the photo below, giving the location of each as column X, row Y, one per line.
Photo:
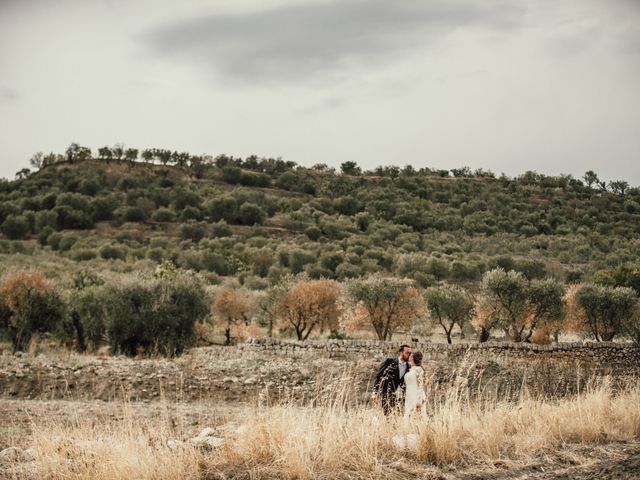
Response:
column 194, row 231
column 112, row 252
column 102, row 208
column 133, row 214
column 16, row 227
column 154, row 316
column 313, row 233
column 221, row 229
column 83, row 254
column 88, row 307
column 46, row 218
column 66, row 242
column 251, row 214
column 43, row 236
column 607, row 310
column 54, row 240
column 164, row 215
column 29, row 304
column 222, row 208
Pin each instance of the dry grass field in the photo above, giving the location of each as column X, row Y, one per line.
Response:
column 594, row 434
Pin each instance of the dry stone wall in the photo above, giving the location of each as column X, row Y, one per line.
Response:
column 603, row 357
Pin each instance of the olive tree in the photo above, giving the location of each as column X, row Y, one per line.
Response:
column 519, row 306
column 449, row 305
column 607, row 310
column 388, row 304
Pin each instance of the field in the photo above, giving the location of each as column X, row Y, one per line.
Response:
column 275, row 416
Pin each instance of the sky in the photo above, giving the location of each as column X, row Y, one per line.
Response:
column 504, row 85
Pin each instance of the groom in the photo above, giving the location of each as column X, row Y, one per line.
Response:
column 390, row 378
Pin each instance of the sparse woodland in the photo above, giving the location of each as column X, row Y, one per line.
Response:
column 186, row 247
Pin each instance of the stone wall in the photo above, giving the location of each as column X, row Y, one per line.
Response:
column 604, row 357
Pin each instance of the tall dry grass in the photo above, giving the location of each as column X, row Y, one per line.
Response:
column 331, row 439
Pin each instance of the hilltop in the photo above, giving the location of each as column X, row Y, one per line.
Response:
column 256, row 219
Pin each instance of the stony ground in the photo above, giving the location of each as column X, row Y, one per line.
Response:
column 205, row 373
column 211, row 387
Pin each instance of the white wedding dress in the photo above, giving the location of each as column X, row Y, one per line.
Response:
column 414, row 392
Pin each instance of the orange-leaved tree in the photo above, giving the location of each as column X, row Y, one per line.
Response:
column 233, row 307
column 28, row 304
column 308, row 305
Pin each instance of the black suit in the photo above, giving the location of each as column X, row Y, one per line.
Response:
column 387, row 382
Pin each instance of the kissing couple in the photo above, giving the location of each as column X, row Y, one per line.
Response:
column 399, row 383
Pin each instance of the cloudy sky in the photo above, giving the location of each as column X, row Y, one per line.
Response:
column 506, row 85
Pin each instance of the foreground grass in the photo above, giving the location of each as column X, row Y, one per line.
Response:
column 336, row 441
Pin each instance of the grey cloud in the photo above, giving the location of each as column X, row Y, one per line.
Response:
column 306, row 42
column 8, row 94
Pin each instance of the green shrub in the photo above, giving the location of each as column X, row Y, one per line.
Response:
column 46, row 218
column 66, row 242
column 112, row 252
column 133, row 214
column 164, row 215
column 54, row 240
column 103, row 208
column 221, row 229
column 43, row 236
column 154, row 316
column 251, row 214
column 83, row 254
column 194, row 231
column 89, row 304
column 15, row 227
column 313, row 233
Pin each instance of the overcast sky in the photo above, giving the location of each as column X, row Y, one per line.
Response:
column 505, row 85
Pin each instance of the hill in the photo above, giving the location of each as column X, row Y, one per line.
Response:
column 257, row 219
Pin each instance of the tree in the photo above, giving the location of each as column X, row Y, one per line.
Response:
column 153, row 315
column 590, row 178
column 131, row 155
column 15, row 227
column 619, row 186
column 251, row 214
column 36, row 160
column 607, row 310
column 105, row 153
column 269, row 301
column 506, row 292
column 308, row 305
column 547, row 307
column 147, row 155
column 28, row 305
column 232, row 307
column 387, row 304
column 350, row 168
column 449, row 305
column 77, row 153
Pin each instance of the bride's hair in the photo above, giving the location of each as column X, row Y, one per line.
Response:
column 417, row 358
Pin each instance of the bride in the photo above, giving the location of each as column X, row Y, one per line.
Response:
column 414, row 383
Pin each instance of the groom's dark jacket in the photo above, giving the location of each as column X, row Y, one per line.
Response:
column 388, row 379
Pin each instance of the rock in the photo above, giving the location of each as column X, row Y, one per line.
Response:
column 206, row 432
column 207, row 443
column 15, row 454
column 173, row 443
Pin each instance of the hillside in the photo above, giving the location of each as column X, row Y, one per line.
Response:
column 257, row 219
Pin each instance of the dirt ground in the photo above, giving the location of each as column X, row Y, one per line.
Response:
column 211, row 387
column 612, row 461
